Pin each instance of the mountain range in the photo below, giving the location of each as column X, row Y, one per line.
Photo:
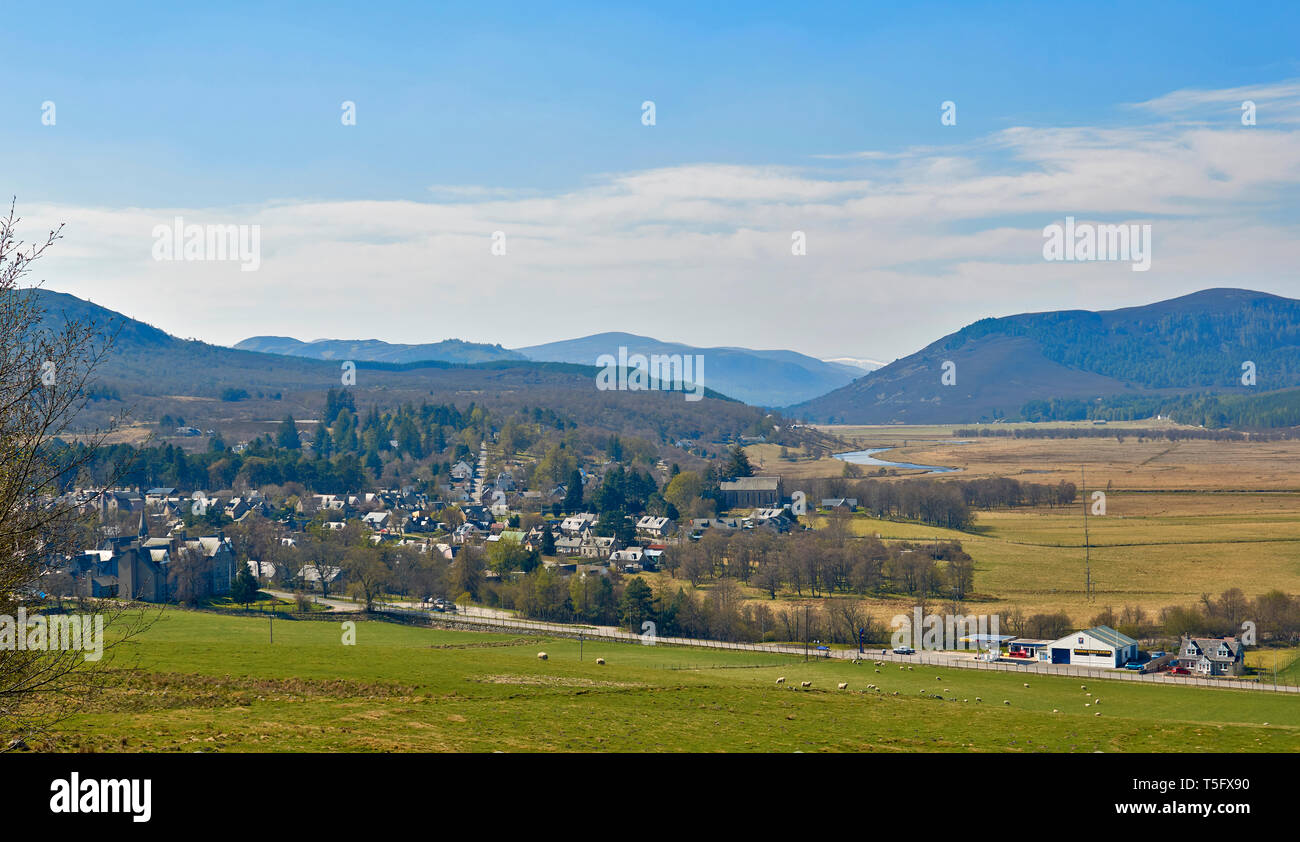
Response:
column 759, row 378
column 1208, row 341
column 1219, row 356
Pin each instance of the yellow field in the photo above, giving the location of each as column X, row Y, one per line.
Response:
column 1181, row 519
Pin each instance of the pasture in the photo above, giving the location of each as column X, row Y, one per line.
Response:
column 210, row 682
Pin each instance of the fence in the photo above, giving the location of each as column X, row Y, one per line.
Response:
column 946, row 660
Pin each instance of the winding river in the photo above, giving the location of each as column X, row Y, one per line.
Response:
column 868, row 457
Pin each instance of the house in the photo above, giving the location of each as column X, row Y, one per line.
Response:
column 657, row 527
column 158, row 569
column 631, row 554
column 841, row 504
column 568, row 546
column 1211, row 655
column 1100, row 646
column 377, row 520
column 596, row 546
column 461, row 471
column 751, row 492
column 312, row 575
column 577, row 524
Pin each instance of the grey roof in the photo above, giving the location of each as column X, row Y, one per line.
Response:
column 752, row 484
column 1109, row 635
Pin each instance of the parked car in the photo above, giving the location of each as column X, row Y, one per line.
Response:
column 904, row 650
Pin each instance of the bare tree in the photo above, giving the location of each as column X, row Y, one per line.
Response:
column 46, row 364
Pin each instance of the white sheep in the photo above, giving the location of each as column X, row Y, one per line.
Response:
column 1026, row 685
column 806, row 684
column 1006, row 701
column 843, row 685
column 600, row 662
column 541, row 656
column 781, row 680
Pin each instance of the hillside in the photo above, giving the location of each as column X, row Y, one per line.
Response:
column 450, row 350
column 148, row 374
column 762, row 378
column 1195, row 343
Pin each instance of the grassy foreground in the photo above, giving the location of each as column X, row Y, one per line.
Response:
column 211, row 682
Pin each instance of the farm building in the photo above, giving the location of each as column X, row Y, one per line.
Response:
column 1100, row 646
column 1029, row 649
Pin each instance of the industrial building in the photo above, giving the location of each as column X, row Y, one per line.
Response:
column 1100, row 646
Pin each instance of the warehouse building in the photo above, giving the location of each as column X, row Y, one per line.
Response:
column 1100, row 646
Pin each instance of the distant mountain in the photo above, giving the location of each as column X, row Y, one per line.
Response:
column 1197, row 342
column 450, row 350
column 856, row 363
column 147, row 373
column 762, row 378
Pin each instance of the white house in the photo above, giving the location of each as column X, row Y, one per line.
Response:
column 1100, row 646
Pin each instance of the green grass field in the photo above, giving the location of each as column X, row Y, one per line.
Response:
column 206, row 681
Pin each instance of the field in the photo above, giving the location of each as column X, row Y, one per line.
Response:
column 210, row 682
column 1181, row 519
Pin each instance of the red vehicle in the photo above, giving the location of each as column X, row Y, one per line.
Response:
column 1180, row 671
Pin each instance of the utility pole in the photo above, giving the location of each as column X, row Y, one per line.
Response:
column 1087, row 546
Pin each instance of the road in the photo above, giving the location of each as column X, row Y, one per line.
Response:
column 487, row 619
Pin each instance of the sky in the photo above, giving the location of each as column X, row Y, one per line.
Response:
column 523, row 126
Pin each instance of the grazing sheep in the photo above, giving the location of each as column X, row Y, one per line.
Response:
column 1087, row 694
column 1006, row 701
column 600, row 662
column 1054, row 710
column 1087, row 704
column 1083, row 686
column 1098, row 713
column 978, row 699
column 541, row 656
column 843, row 685
column 806, row 684
column 781, row 680
column 1026, row 685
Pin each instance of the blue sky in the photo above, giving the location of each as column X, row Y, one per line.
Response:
column 526, row 117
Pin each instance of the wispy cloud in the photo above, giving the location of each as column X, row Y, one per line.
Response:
column 901, row 247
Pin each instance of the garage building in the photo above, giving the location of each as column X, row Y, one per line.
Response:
column 1100, row 646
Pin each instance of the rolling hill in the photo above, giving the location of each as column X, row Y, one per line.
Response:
column 374, row 350
column 148, row 373
column 762, row 378
column 1194, row 343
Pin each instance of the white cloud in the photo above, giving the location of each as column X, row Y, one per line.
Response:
column 901, row 248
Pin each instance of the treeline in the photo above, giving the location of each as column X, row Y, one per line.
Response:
column 946, row 503
column 1121, row 433
column 719, row 612
column 1276, row 616
column 1214, row 411
column 825, row 561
